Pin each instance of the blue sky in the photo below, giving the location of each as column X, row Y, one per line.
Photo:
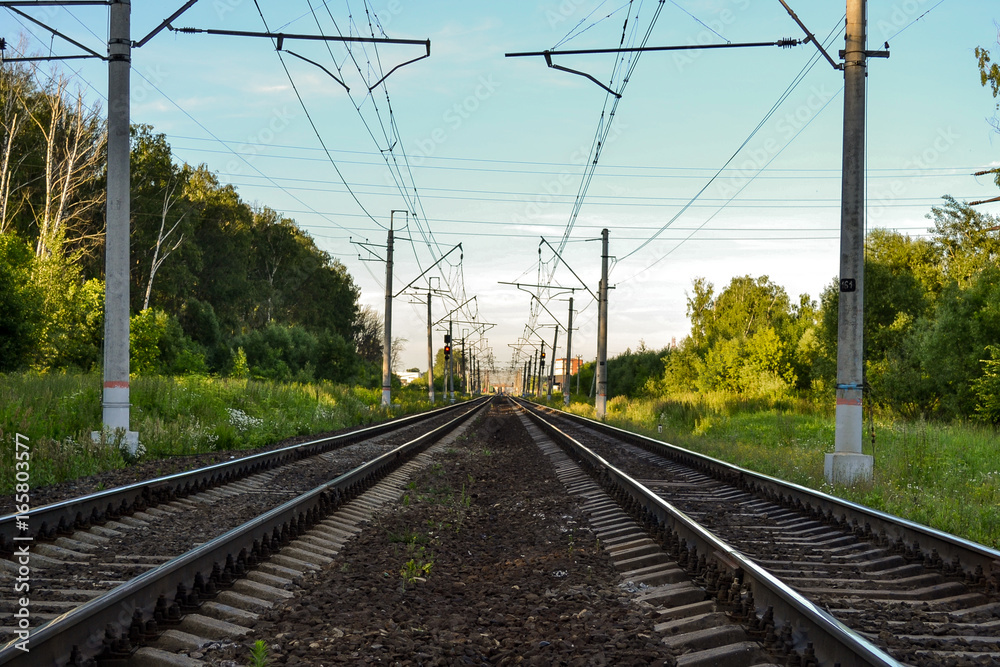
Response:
column 496, row 147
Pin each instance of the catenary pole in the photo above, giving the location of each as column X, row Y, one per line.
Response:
column 552, row 364
column 601, row 402
column 567, row 369
column 387, row 329
column 532, row 378
column 579, row 367
column 847, row 464
column 450, row 361
column 116, row 396
column 463, row 380
column 541, row 372
column 430, row 351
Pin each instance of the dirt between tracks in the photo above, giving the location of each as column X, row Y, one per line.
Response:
column 485, row 561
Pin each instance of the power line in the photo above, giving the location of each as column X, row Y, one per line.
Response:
column 728, row 203
column 413, row 200
column 901, row 30
column 650, row 202
column 312, row 123
column 767, row 116
column 600, row 138
column 214, row 137
column 959, row 170
column 574, row 32
column 782, row 202
column 698, row 20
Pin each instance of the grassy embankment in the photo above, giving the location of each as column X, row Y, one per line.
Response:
column 174, row 416
column 946, row 476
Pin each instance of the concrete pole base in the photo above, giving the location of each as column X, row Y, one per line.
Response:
column 846, row 468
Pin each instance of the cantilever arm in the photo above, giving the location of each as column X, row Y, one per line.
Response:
column 428, row 269
column 426, row 55
column 548, row 61
column 810, row 37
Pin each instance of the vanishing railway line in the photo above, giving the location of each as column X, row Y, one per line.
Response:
column 112, row 570
column 741, row 569
column 924, row 597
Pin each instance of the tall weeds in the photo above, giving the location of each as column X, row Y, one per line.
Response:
column 944, row 475
column 173, row 416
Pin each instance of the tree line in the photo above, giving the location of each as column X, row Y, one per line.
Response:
column 931, row 324
column 218, row 285
column 931, row 329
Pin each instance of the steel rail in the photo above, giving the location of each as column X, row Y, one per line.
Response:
column 832, row 641
column 974, row 560
column 128, row 609
column 62, row 518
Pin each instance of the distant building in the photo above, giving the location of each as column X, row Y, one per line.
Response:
column 407, row 377
column 574, row 367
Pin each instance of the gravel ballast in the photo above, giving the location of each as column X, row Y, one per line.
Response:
column 485, row 560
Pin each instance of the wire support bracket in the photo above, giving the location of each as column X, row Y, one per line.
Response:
column 280, row 38
column 785, row 43
column 12, row 6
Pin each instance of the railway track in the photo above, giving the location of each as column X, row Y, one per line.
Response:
column 919, row 596
column 737, row 569
column 110, row 571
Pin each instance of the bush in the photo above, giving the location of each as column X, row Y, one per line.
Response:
column 73, row 329
column 158, row 345
column 987, row 388
column 20, row 304
column 200, row 324
column 279, row 352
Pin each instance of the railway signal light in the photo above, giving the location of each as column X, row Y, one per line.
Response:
column 447, row 338
column 543, row 355
column 447, row 351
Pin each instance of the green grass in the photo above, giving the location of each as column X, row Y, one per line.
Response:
column 946, row 476
column 174, row 416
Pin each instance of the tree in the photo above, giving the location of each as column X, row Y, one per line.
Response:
column 16, row 141
column 75, row 138
column 987, row 388
column 368, row 336
column 20, row 304
column 72, row 331
column 629, row 372
column 952, row 342
column 396, row 352
column 745, row 339
column 965, row 240
column 162, row 219
column 209, row 271
column 456, row 364
column 225, row 242
column 989, row 74
column 699, row 310
column 276, row 249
